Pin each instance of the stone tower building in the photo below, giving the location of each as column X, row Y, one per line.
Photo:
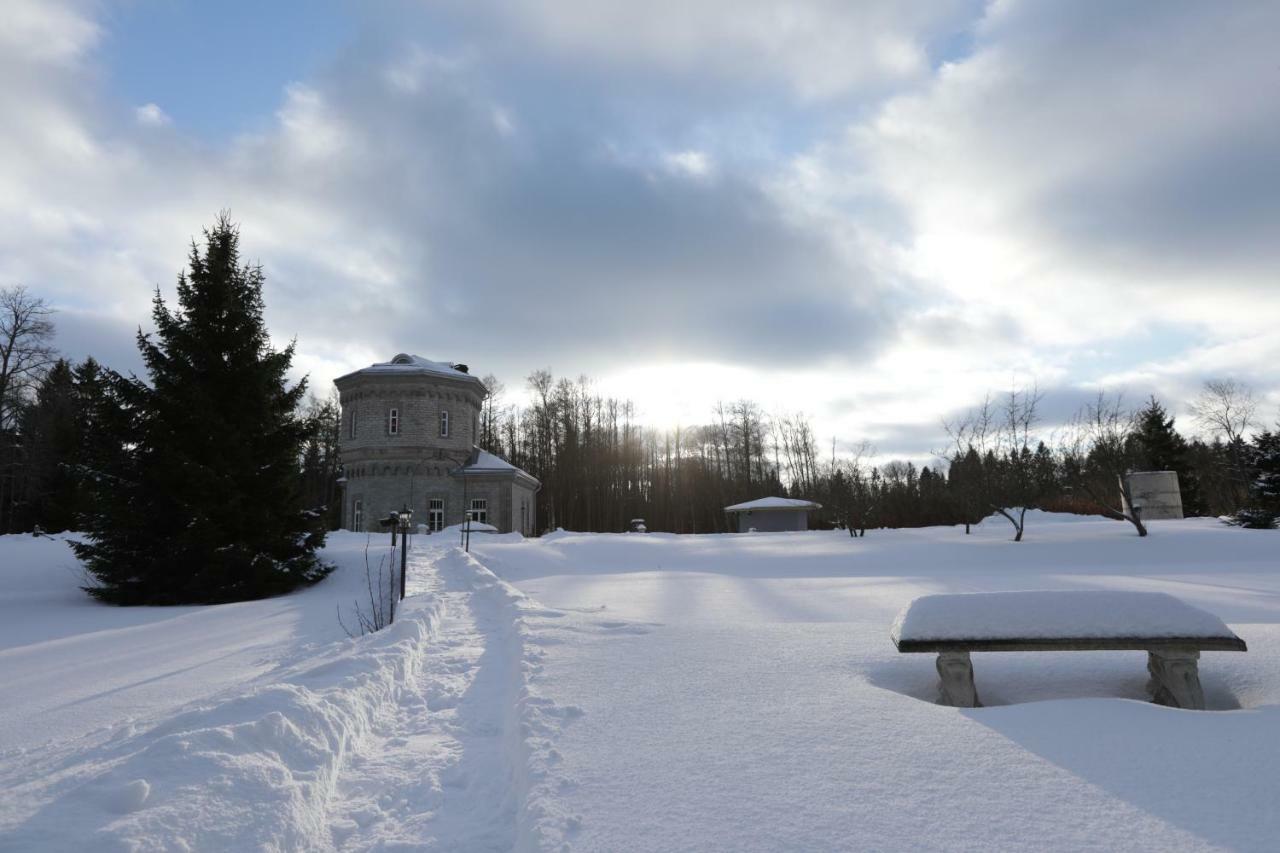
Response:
column 409, row 431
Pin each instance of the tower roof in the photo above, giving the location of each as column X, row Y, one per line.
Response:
column 405, row 364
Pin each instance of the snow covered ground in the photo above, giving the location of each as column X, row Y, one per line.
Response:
column 639, row 692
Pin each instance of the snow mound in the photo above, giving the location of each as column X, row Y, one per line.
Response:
column 252, row 772
column 476, row 527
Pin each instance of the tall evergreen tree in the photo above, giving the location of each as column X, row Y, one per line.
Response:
column 1159, row 447
column 1263, row 460
column 321, row 462
column 51, row 430
column 203, row 505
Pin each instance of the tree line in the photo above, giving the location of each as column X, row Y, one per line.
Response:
column 214, row 463
column 600, row 468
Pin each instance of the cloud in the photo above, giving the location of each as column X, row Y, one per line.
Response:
column 397, row 197
column 150, row 115
column 795, row 203
column 817, row 49
column 1093, row 170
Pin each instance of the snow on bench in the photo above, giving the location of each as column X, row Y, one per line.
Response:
column 1172, row 632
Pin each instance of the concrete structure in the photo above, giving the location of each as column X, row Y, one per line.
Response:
column 769, row 515
column 409, row 429
column 1155, row 494
column 1170, row 631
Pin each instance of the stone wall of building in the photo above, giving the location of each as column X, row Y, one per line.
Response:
column 381, row 494
column 416, row 465
column 1155, row 494
column 773, row 520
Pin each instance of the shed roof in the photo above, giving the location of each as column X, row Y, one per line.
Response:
column 768, row 504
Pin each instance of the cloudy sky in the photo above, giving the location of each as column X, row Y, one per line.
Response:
column 873, row 212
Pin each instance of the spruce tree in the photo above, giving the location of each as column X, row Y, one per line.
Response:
column 1159, row 447
column 1263, row 460
column 51, row 432
column 202, row 505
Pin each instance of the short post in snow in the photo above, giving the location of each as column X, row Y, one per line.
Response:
column 466, row 533
column 403, row 518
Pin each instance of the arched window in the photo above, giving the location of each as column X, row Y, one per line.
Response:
column 444, row 424
column 351, row 423
column 393, row 422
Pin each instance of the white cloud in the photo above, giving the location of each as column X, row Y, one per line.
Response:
column 695, row 164
column 46, row 31
column 817, row 48
column 150, row 115
column 1021, row 214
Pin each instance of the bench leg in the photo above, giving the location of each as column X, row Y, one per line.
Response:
column 957, row 690
column 1175, row 678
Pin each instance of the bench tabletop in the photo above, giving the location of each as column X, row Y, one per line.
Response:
column 1045, row 620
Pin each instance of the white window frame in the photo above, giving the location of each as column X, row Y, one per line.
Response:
column 444, row 423
column 435, row 514
column 393, row 421
column 357, row 515
column 480, row 510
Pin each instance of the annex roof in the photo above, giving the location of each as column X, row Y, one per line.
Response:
column 767, row 504
column 482, row 462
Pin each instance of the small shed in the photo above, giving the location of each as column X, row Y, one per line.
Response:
column 767, row 515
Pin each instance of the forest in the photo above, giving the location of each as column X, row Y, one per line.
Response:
column 601, row 467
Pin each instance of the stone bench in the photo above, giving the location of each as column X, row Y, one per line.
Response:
column 1170, row 631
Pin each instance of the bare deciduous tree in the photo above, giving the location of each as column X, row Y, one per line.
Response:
column 1225, row 408
column 1002, row 435
column 25, row 352
column 1097, row 456
column 491, row 414
column 383, row 592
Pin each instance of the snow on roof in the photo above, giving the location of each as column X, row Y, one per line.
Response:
column 405, row 363
column 486, row 461
column 1075, row 614
column 773, row 503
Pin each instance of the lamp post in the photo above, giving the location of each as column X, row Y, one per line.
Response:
column 403, row 518
column 466, row 532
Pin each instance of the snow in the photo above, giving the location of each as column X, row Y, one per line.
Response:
column 773, row 503
column 413, row 365
column 486, row 461
column 1040, row 614
column 604, row 692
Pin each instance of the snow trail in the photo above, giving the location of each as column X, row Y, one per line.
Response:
column 433, row 773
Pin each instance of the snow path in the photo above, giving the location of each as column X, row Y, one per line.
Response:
column 433, row 772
